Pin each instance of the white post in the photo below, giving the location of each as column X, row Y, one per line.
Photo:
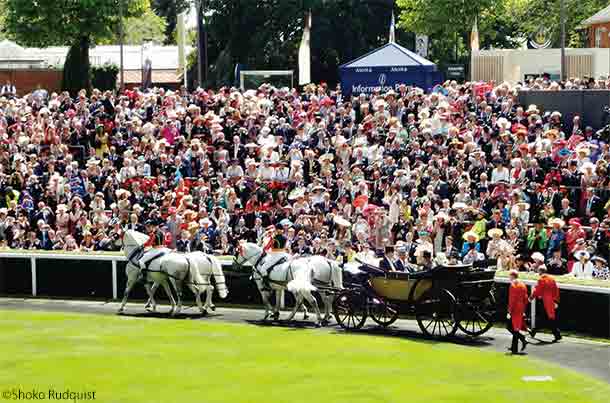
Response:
column 114, row 281
column 533, row 314
column 33, row 270
column 282, row 299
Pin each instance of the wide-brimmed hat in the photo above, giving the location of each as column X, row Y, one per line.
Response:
column 557, row 221
column 538, row 256
column 469, row 234
column 599, row 259
column 532, row 109
column 495, row 231
column 574, row 221
column 582, row 253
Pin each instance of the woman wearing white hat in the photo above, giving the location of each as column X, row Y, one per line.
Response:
column 583, row 268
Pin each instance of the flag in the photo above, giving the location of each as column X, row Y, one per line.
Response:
column 392, row 29
column 182, row 63
column 474, row 37
column 305, row 52
column 421, row 45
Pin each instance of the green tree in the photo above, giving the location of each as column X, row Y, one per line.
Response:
column 77, row 23
column 447, row 22
column 169, row 9
column 265, row 34
column 148, row 26
column 2, row 19
column 535, row 14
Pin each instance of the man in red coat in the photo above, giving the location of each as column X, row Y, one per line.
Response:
column 517, row 304
column 547, row 290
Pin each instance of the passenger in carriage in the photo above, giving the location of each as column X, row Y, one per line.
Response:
column 426, row 261
column 402, row 263
column 387, row 261
column 183, row 244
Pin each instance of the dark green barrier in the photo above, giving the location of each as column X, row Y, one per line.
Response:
column 15, row 277
column 579, row 311
column 74, row 278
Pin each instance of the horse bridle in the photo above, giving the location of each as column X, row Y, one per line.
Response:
column 138, row 249
column 255, row 265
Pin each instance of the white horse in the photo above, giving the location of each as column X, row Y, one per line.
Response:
column 174, row 268
column 208, row 266
column 325, row 274
column 276, row 272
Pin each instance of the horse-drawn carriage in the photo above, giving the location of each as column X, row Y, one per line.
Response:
column 443, row 299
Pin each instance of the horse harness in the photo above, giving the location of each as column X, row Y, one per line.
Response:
column 266, row 278
column 138, row 252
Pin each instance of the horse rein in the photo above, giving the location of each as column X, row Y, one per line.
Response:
column 140, row 248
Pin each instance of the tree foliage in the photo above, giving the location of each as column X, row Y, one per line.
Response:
column 534, row 14
column 265, row 34
column 169, row 10
column 138, row 29
column 104, row 77
column 78, row 23
column 448, row 23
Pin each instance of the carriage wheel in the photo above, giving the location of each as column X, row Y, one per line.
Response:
column 476, row 317
column 383, row 312
column 435, row 313
column 350, row 309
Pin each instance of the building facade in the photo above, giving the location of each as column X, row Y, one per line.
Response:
column 598, row 29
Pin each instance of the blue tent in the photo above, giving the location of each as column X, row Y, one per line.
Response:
column 386, row 68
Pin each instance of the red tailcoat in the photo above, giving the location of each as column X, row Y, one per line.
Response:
column 549, row 292
column 517, row 304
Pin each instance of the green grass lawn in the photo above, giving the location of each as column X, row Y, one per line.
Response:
column 134, row 360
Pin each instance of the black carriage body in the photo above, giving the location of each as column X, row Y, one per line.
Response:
column 454, row 296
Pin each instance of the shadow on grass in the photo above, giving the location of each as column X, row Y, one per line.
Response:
column 379, row 331
column 414, row 335
column 166, row 315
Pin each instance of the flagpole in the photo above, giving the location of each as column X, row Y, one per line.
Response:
column 563, row 40
column 392, row 37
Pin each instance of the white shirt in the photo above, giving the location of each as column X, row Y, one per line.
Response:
column 585, row 272
column 500, row 174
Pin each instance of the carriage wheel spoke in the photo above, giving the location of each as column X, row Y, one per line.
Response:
column 445, row 327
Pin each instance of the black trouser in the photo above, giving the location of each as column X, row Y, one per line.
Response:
column 517, row 337
column 550, row 324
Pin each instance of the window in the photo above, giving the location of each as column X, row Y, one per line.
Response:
column 598, row 37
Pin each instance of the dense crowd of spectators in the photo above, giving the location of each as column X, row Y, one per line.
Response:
column 460, row 173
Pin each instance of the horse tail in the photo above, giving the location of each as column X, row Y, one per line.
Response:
column 301, row 280
column 336, row 274
column 219, row 276
column 196, row 277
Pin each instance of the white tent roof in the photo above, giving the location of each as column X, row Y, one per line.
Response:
column 10, row 51
column 389, row 55
column 162, row 57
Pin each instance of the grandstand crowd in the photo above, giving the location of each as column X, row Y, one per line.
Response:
column 456, row 174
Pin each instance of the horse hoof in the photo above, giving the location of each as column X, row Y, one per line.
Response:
column 204, row 312
column 149, row 309
column 325, row 322
column 318, row 324
column 120, row 312
column 305, row 317
column 276, row 316
column 213, row 308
